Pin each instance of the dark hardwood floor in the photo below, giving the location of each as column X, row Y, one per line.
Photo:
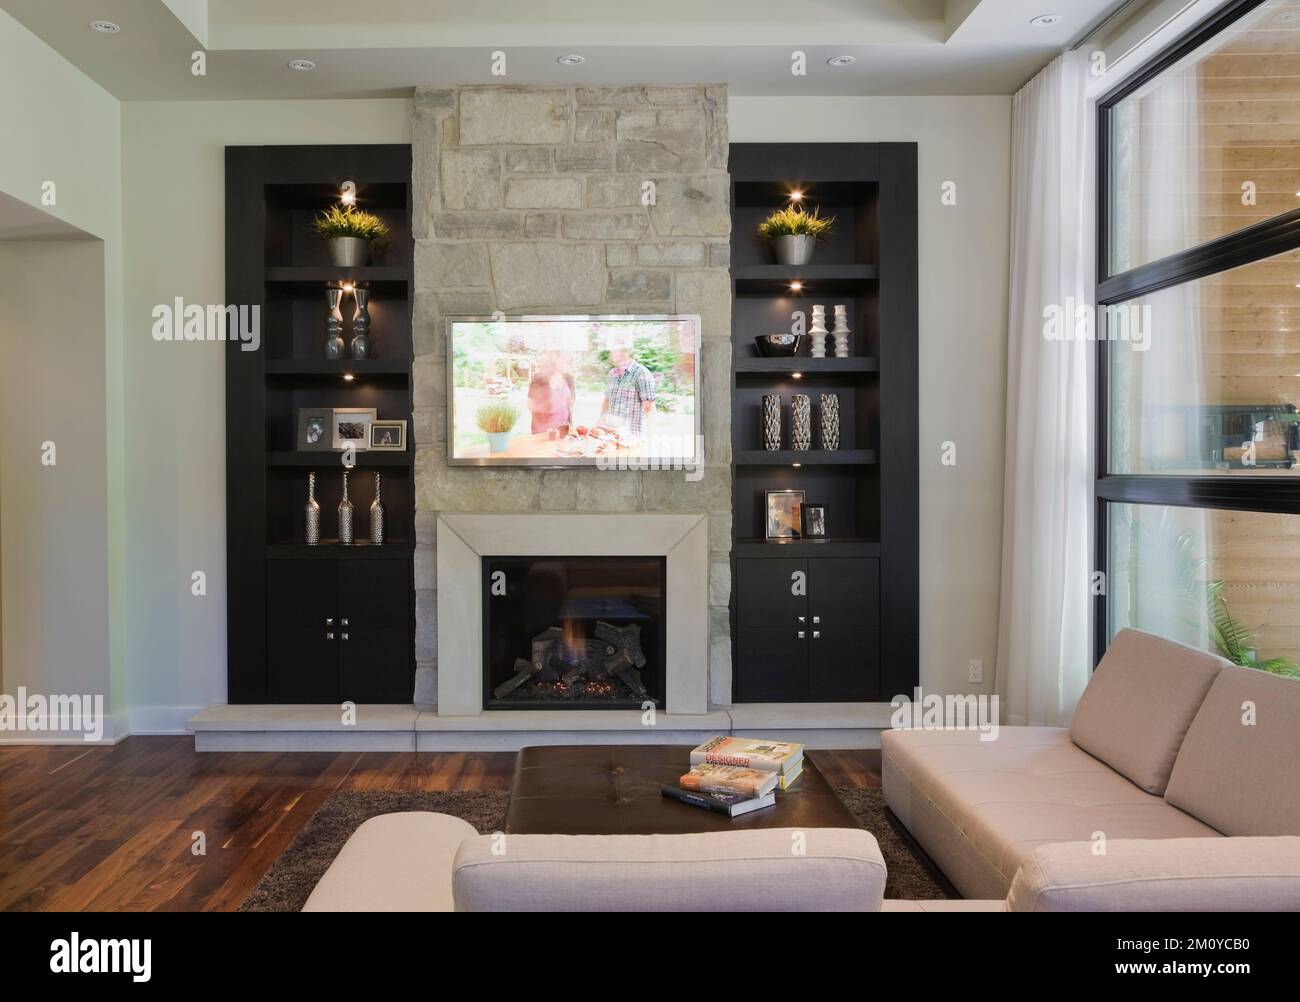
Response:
column 111, row 828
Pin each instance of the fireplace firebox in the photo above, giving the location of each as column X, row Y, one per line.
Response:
column 573, row 632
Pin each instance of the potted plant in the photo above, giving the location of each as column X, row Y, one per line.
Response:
column 350, row 233
column 496, row 420
column 794, row 233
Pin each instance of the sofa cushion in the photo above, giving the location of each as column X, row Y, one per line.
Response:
column 1242, row 777
column 769, row 869
column 394, row 863
column 979, row 808
column 1140, row 702
column 1175, row 875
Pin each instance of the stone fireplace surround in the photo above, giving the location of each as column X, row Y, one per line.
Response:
column 533, row 200
column 463, row 540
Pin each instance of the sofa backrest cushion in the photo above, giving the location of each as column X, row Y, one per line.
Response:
column 1159, row 875
column 773, row 869
column 1239, row 767
column 1140, row 702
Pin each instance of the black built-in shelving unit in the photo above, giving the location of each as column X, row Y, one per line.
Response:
column 852, row 633
column 329, row 622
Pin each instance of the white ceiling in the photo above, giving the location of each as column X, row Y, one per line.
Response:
column 385, row 47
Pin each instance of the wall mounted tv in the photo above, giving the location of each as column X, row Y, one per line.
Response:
column 616, row 392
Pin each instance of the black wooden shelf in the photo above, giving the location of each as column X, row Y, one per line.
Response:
column 330, row 273
column 806, row 365
column 337, row 368
column 817, row 279
column 330, row 459
column 809, row 457
column 824, row 546
column 332, row 549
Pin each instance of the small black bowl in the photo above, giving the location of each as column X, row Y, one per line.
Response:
column 779, row 345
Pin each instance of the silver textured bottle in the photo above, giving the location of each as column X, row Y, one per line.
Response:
column 361, row 324
column 800, row 422
column 771, row 422
column 311, row 516
column 345, row 514
column 334, row 324
column 376, row 516
column 830, row 414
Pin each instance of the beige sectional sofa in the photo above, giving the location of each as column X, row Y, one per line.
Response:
column 1176, row 788
column 1168, row 743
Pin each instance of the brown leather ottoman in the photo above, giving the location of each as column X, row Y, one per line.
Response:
column 614, row 790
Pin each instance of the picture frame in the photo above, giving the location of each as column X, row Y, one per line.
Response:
column 350, row 427
column 314, row 429
column 388, row 436
column 781, row 514
column 813, row 520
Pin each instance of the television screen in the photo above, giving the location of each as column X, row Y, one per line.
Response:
column 615, row 392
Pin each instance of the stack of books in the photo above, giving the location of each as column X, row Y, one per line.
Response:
column 734, row 776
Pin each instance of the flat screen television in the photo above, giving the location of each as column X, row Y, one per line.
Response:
column 607, row 391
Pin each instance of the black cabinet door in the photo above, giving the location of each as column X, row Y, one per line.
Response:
column 844, row 623
column 772, row 662
column 771, row 592
column 375, row 631
column 302, row 660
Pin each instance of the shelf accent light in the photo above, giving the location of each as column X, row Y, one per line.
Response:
column 348, row 193
column 796, row 286
column 796, row 195
column 348, row 377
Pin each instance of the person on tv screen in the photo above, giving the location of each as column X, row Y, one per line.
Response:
column 551, row 392
column 629, row 392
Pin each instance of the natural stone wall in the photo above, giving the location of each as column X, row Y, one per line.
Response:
column 530, row 200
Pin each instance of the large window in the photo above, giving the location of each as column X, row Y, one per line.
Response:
column 1198, row 486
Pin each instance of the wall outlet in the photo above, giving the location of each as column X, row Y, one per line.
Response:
column 975, row 670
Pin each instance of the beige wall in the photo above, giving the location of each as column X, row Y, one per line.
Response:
column 964, row 256
column 174, row 203
column 53, row 517
column 61, row 127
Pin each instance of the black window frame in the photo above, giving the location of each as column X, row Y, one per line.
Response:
column 1277, row 235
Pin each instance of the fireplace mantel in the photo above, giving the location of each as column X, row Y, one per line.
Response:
column 463, row 540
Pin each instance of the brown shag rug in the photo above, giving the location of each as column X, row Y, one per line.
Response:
column 286, row 886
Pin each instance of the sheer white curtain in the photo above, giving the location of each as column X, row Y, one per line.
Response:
column 1044, row 624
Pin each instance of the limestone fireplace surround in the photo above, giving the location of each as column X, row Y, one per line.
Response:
column 464, row 540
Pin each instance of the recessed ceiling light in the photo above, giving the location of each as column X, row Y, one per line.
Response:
column 841, row 60
column 573, row 59
column 1043, row 20
column 105, row 27
column 302, row 65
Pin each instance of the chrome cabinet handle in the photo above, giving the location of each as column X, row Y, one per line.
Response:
column 803, row 619
column 817, row 619
column 343, row 636
column 329, row 620
column 329, row 635
column 343, row 622
column 816, row 635
column 801, row 634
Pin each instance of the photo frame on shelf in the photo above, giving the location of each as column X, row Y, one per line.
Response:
column 350, row 427
column 315, row 429
column 782, row 514
column 813, row 519
column 388, row 436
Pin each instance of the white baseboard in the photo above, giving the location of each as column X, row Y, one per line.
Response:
column 156, row 720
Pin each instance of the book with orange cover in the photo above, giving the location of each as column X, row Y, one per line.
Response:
column 750, row 753
column 710, row 778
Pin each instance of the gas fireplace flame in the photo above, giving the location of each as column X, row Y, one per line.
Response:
column 575, row 641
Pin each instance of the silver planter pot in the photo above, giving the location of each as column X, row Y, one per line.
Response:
column 348, row 252
column 796, row 249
